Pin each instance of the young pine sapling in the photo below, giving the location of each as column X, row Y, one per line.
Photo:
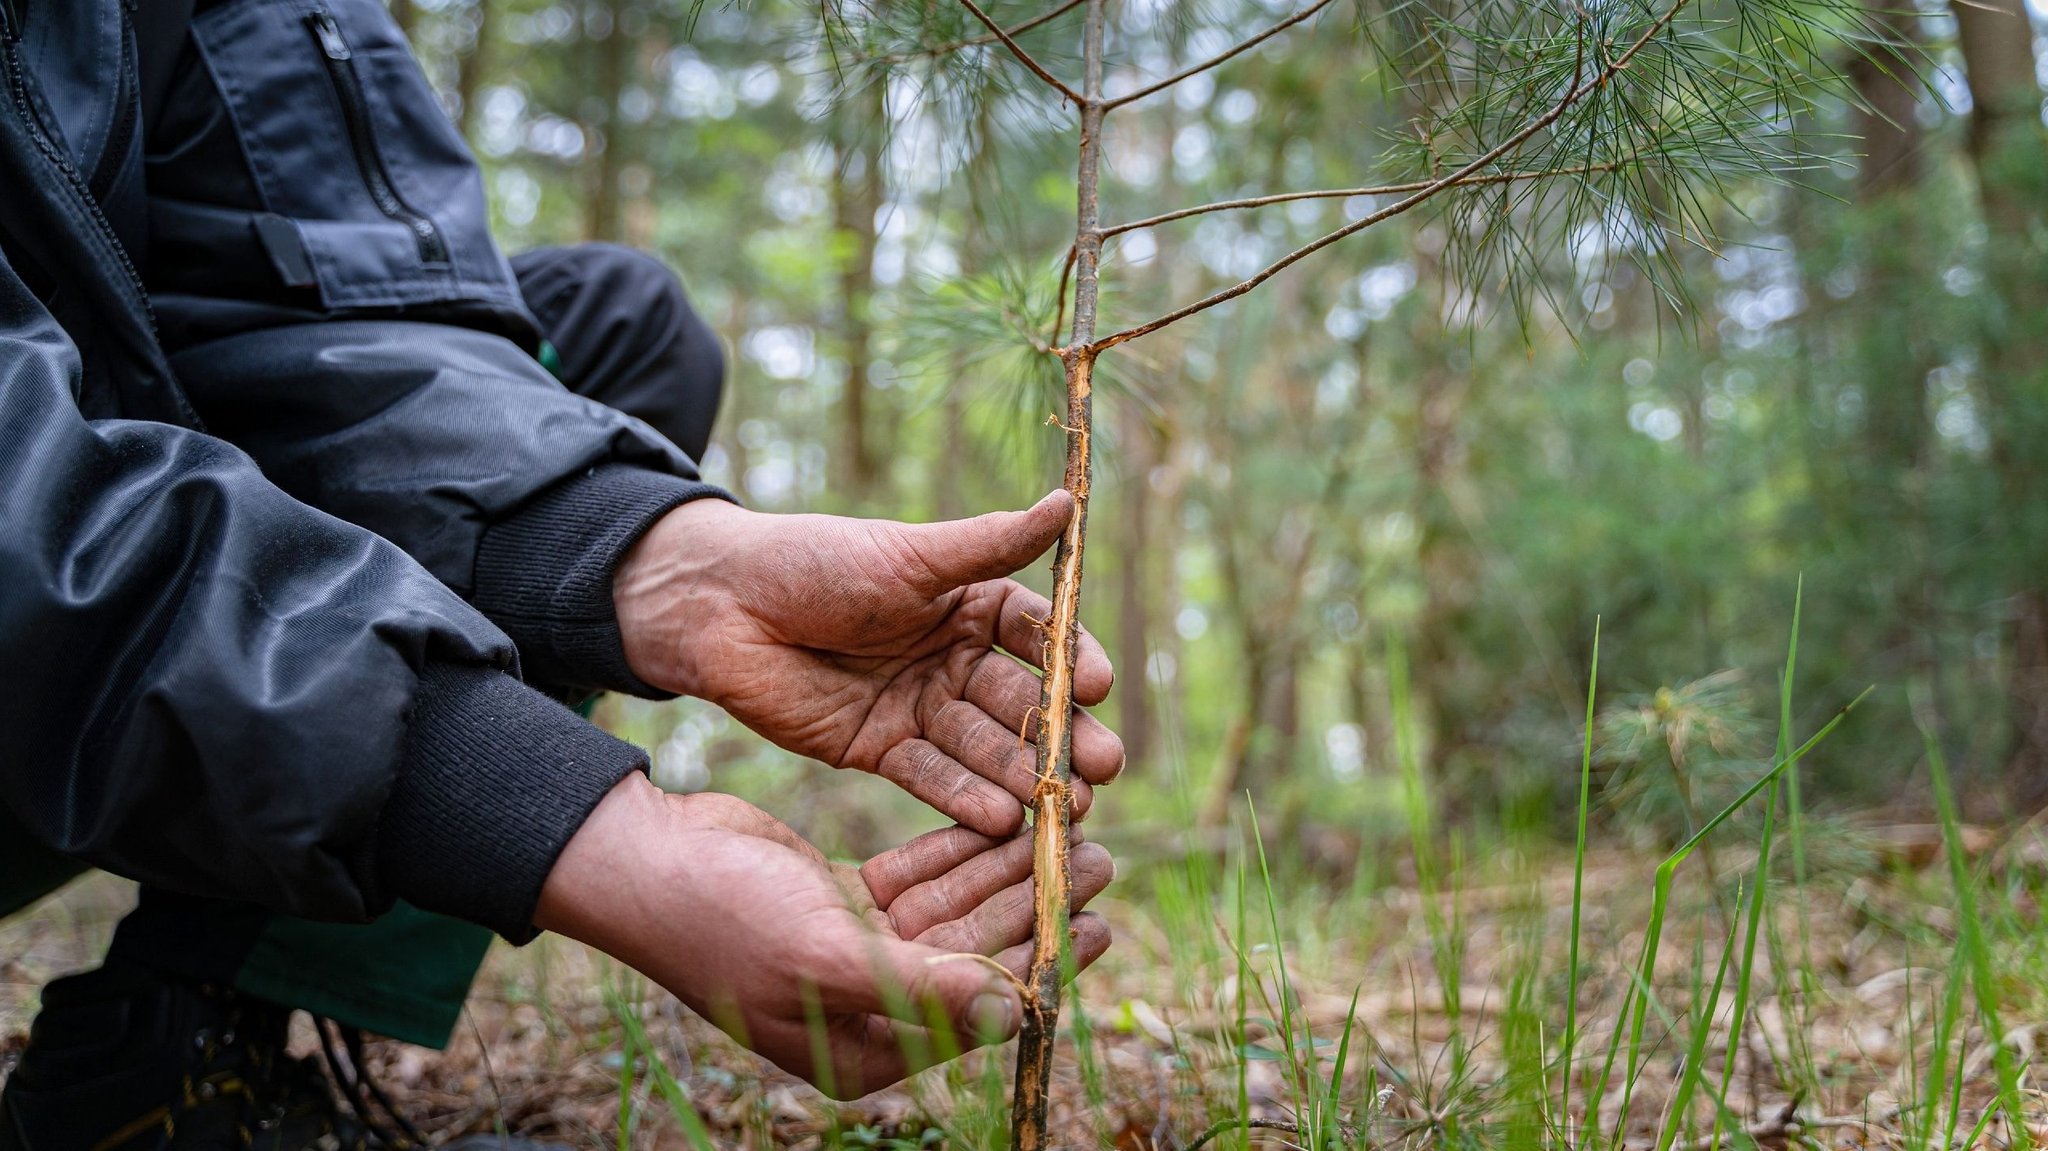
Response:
column 1592, row 127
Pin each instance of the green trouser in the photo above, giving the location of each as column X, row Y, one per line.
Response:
column 405, row 974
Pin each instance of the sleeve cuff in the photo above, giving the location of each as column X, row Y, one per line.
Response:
column 496, row 779
column 544, row 573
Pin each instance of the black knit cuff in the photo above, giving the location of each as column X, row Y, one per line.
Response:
column 497, row 778
column 544, row 573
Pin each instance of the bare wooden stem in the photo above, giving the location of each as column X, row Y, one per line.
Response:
column 1023, row 57
column 1347, row 193
column 1580, row 87
column 1237, row 49
column 1053, row 799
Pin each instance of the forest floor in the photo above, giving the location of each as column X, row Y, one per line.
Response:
column 1859, row 1030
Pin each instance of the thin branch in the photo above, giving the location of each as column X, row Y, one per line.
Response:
column 1213, row 61
column 1347, row 193
column 1024, row 57
column 978, row 41
column 1059, row 315
column 1573, row 95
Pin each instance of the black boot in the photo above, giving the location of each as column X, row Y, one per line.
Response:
column 122, row 1059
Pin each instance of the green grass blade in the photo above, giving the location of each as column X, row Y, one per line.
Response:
column 1696, row 1048
column 673, row 1093
column 1795, row 833
column 1974, row 952
column 1304, row 1076
column 1634, row 1011
column 1571, row 1002
column 1759, row 890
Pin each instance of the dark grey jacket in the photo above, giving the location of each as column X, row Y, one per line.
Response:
column 285, row 501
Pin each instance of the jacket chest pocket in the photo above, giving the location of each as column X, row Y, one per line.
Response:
column 351, row 154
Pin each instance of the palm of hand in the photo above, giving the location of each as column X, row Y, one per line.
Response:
column 869, row 967
column 872, row 645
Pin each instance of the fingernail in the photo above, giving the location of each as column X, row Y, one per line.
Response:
column 994, row 1016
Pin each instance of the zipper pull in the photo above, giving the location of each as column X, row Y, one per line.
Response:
column 327, row 30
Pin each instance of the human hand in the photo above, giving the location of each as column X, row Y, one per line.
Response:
column 868, row 644
column 795, row 957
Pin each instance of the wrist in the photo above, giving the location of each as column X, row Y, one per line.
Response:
column 668, row 593
column 616, row 873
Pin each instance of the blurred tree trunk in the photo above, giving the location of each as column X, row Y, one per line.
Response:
column 738, row 406
column 1889, row 98
column 1253, row 662
column 1443, row 561
column 2010, row 154
column 1896, row 356
column 1154, row 497
column 1367, row 689
column 1443, row 564
column 1169, row 535
column 956, row 493
column 471, row 68
column 856, row 201
column 1135, row 580
column 951, row 496
column 610, row 69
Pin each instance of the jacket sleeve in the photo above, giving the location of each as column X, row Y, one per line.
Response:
column 322, row 263
column 462, row 450
column 211, row 687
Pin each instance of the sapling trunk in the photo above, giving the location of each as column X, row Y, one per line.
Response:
column 1053, row 799
column 1595, row 64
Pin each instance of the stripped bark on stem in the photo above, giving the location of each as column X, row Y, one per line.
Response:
column 1052, row 801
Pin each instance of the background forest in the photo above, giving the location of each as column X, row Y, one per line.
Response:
column 1351, row 536
column 1386, row 447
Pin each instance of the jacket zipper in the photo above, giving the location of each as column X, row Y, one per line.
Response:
column 355, row 111
column 10, row 21
column 16, row 75
column 114, row 152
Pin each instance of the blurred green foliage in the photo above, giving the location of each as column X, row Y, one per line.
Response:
column 1393, row 439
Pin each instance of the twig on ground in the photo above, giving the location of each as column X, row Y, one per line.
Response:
column 1786, row 1124
column 1222, row 1125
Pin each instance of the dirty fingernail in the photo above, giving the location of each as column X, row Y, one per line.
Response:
column 994, row 1016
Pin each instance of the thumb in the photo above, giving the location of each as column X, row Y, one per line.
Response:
column 912, row 983
column 960, row 552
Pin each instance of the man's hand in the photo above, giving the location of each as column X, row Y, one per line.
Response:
column 868, row 644
column 745, row 922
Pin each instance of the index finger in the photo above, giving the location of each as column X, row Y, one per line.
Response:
column 927, row 857
column 1021, row 631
